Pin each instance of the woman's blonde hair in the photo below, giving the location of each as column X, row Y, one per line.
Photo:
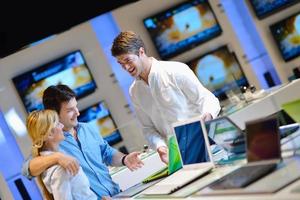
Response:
column 39, row 124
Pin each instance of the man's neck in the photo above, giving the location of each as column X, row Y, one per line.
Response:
column 72, row 131
column 147, row 67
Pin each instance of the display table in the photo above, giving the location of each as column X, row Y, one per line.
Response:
column 126, row 178
column 267, row 105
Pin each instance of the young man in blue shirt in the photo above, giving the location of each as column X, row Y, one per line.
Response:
column 82, row 146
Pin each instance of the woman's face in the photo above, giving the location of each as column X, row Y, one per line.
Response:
column 57, row 133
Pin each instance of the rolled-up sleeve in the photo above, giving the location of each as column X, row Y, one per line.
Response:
column 25, row 168
column 107, row 152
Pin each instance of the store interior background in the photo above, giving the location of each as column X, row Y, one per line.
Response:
column 248, row 37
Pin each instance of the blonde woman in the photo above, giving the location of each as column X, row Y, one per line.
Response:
column 46, row 133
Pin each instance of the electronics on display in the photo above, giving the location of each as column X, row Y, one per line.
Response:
column 70, row 69
column 287, row 36
column 219, row 71
column 265, row 8
column 100, row 118
column 182, row 27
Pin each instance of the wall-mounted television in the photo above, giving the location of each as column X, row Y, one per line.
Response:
column 265, row 8
column 182, row 27
column 98, row 115
column 287, row 36
column 70, row 69
column 219, row 71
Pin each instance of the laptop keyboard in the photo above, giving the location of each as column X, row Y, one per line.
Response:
column 176, row 181
column 243, row 176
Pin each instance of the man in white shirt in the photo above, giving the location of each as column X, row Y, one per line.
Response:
column 163, row 92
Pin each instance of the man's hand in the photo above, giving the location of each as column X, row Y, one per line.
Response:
column 132, row 161
column 106, row 198
column 163, row 154
column 69, row 163
column 206, row 117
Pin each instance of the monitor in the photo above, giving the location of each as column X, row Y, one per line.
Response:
column 219, row 71
column 287, row 36
column 192, row 141
column 182, row 27
column 70, row 69
column 265, row 8
column 98, row 115
column 263, row 139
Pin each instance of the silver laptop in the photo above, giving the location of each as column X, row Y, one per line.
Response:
column 195, row 156
column 227, row 140
column 263, row 155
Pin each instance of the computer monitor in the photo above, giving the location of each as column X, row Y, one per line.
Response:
column 265, row 8
column 182, row 27
column 98, row 115
column 286, row 34
column 263, row 139
column 219, row 71
column 70, row 69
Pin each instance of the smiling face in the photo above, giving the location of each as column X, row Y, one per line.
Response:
column 56, row 134
column 131, row 63
column 68, row 114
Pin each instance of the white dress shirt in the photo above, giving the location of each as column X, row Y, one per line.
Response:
column 174, row 94
column 64, row 186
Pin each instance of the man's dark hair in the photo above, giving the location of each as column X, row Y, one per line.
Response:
column 54, row 96
column 127, row 42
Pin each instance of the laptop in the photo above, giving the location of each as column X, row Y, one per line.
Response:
column 174, row 165
column 263, row 154
column 227, row 135
column 293, row 109
column 195, row 157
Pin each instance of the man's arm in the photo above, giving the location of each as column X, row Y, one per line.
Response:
column 190, row 85
column 39, row 164
column 132, row 160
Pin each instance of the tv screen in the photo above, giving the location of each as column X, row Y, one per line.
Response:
column 99, row 116
column 265, row 8
column 182, row 27
column 219, row 71
column 70, row 69
column 287, row 36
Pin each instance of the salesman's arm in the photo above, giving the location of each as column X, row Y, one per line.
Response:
column 197, row 94
column 36, row 165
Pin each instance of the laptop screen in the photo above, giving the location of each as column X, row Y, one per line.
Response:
column 175, row 162
column 263, row 139
column 192, row 142
column 227, row 139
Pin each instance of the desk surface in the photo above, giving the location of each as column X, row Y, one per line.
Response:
column 291, row 191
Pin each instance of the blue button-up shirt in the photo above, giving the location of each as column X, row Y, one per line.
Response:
column 94, row 154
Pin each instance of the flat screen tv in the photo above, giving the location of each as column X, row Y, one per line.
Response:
column 70, row 69
column 265, row 8
column 182, row 27
column 219, row 71
column 100, row 118
column 287, row 36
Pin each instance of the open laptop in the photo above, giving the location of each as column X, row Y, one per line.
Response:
column 194, row 154
column 226, row 134
column 263, row 155
column 174, row 165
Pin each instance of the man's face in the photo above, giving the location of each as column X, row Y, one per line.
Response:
column 131, row 63
column 68, row 114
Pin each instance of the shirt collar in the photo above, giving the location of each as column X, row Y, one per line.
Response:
column 152, row 70
column 77, row 127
